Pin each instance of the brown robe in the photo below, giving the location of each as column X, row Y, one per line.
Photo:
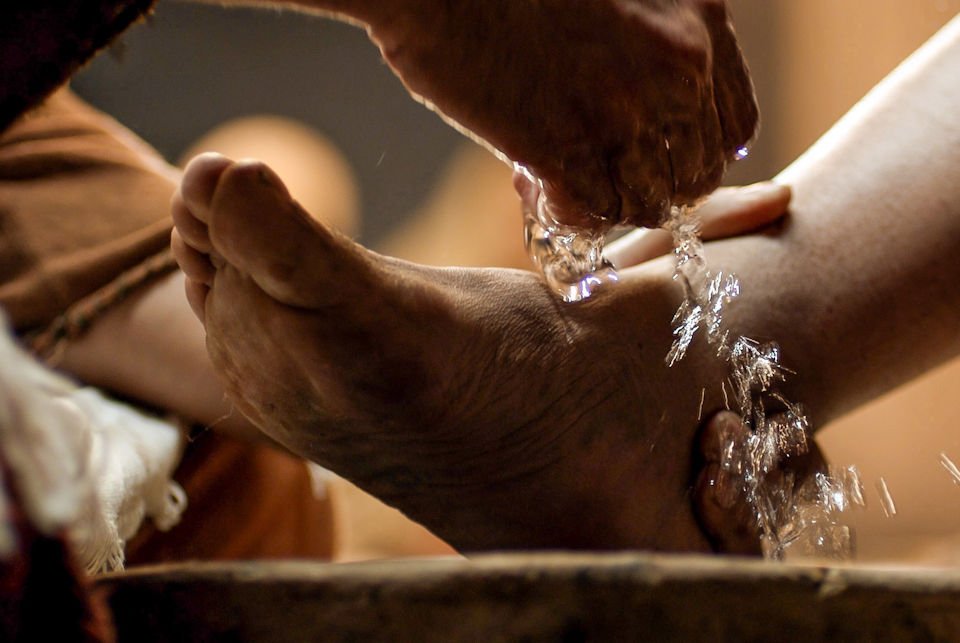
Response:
column 42, row 42
column 84, row 220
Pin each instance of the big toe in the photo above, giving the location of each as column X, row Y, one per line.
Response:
column 257, row 228
column 199, row 182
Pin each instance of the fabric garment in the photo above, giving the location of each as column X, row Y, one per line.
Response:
column 82, row 200
column 84, row 220
column 43, row 43
column 80, row 462
column 44, row 595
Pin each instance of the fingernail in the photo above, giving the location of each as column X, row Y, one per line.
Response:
column 269, row 178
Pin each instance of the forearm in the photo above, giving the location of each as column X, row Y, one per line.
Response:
column 862, row 285
column 151, row 348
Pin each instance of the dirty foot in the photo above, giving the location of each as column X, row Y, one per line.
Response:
column 468, row 398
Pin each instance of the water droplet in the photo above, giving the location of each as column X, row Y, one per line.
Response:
column 886, row 500
column 571, row 260
column 950, row 467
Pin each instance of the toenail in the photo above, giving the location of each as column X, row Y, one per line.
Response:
column 268, row 178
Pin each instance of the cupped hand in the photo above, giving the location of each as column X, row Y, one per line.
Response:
column 619, row 107
column 728, row 212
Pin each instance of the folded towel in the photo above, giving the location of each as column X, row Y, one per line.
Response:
column 82, row 462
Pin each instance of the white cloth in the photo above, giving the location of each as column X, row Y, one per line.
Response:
column 81, row 461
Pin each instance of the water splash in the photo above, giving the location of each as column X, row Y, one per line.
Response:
column 886, row 500
column 795, row 517
column 803, row 517
column 951, row 468
column 571, row 259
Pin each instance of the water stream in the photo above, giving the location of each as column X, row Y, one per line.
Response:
column 803, row 517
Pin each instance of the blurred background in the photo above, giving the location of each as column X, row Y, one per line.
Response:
column 313, row 98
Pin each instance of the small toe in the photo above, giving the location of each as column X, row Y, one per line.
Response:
column 735, row 211
column 197, row 298
column 192, row 230
column 638, row 246
column 195, row 265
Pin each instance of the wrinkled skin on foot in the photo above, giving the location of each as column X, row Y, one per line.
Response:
column 471, row 399
column 620, row 107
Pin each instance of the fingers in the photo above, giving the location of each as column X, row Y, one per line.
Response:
column 706, row 114
column 197, row 298
column 706, row 118
column 733, row 92
column 580, row 192
column 728, row 212
column 637, row 247
column 194, row 264
column 646, row 175
column 697, row 162
column 734, row 211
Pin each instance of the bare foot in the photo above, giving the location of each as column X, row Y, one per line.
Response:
column 468, row 398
